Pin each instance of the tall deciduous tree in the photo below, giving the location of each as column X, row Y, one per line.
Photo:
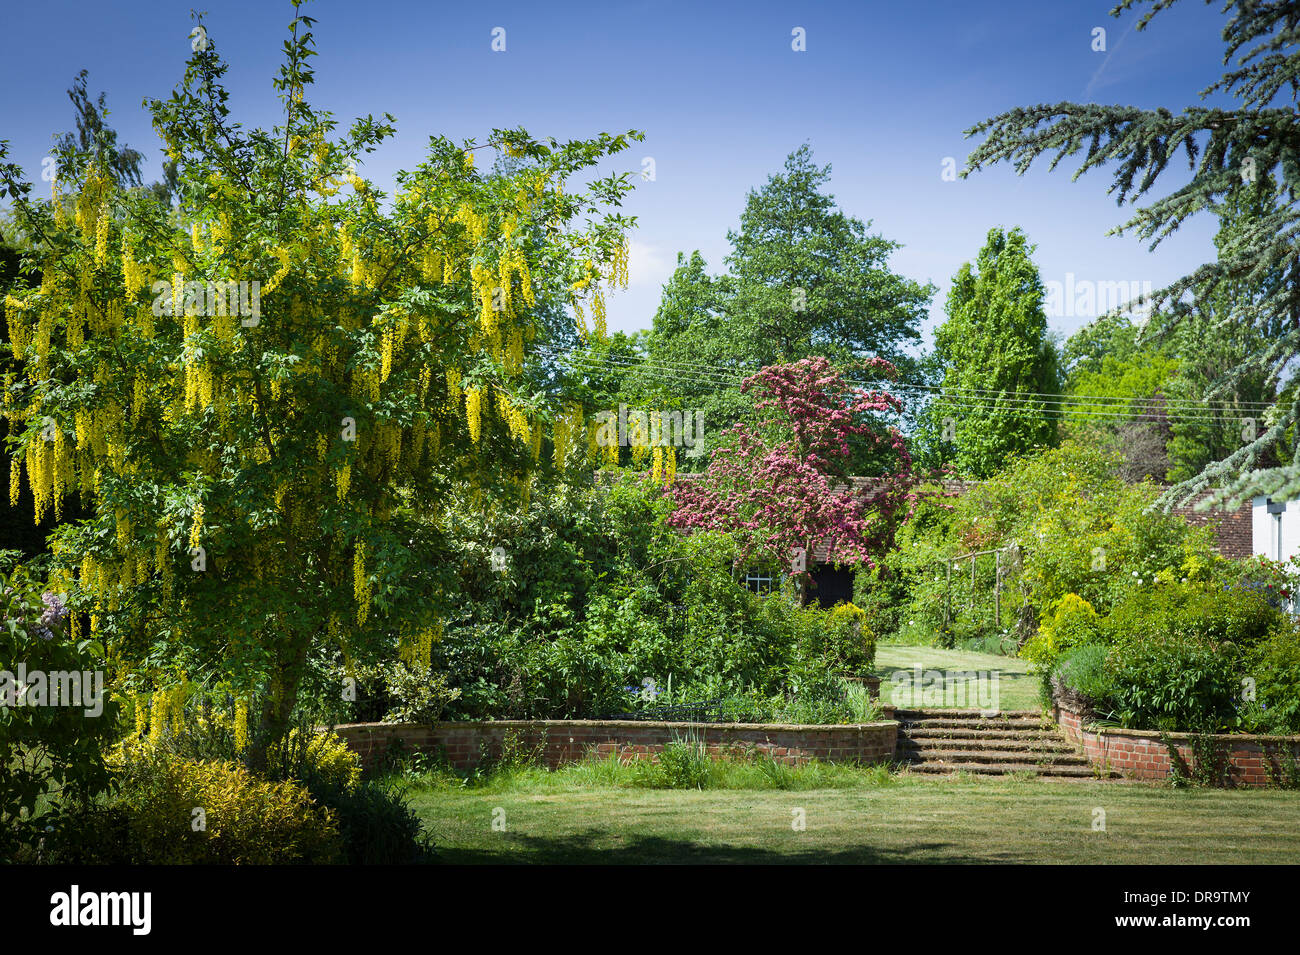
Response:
column 1255, row 137
column 268, row 397
column 996, row 358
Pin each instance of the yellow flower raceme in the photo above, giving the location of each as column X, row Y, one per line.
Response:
column 196, row 527
column 286, row 260
column 473, row 408
column 241, row 725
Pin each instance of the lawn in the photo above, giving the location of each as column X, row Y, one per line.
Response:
column 565, row 818
column 1017, row 689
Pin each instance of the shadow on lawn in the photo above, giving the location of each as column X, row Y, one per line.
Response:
column 592, row 848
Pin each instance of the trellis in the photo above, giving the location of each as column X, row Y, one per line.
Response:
column 1000, row 570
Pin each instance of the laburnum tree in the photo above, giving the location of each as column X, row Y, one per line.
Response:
column 781, row 485
column 1253, row 137
column 268, row 395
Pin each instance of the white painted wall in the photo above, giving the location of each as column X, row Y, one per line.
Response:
column 1276, row 536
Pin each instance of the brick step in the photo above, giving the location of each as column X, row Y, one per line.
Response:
column 926, row 732
column 939, row 713
column 974, row 724
column 1046, row 744
column 995, row 757
column 1003, row 769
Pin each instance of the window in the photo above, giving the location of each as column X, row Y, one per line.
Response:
column 760, row 581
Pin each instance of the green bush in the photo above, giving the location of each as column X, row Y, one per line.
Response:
column 1070, row 622
column 685, row 764
column 850, row 644
column 1176, row 682
column 1275, row 667
column 1078, row 529
column 1083, row 672
column 50, row 755
column 1172, row 656
column 598, row 600
column 376, row 824
column 317, row 760
column 1231, row 615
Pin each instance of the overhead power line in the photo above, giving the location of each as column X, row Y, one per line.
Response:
column 1055, row 405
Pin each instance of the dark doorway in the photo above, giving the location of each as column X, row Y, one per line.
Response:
column 831, row 585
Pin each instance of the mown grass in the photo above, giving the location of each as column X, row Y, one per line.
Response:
column 1017, row 689
column 601, row 812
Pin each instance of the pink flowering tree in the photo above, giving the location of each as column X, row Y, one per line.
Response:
column 782, row 485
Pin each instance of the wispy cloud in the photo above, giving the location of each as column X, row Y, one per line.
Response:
column 1096, row 81
column 646, row 265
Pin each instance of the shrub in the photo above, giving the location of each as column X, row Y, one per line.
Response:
column 206, row 732
column 1234, row 616
column 324, row 760
column 86, row 835
column 1176, row 658
column 376, row 824
column 1083, row 676
column 1276, row 581
column 1275, row 668
column 50, row 755
column 246, row 820
column 1175, row 682
column 600, row 596
column 685, row 763
column 1078, row 528
column 851, row 646
column 1071, row 622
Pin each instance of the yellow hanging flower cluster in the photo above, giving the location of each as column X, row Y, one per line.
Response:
column 417, row 650
column 176, row 707
column 167, row 713
column 134, row 276
column 196, row 527
column 473, row 410
column 514, row 418
column 515, row 353
column 101, row 238
column 618, row 273
column 474, row 223
column 285, row 259
column 241, row 725
column 598, row 316
column 360, row 582
column 140, row 704
column 15, row 476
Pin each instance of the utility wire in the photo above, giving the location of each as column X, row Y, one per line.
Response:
column 1010, row 404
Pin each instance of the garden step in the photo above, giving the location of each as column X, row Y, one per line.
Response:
column 1046, row 744
column 1018, row 741
column 926, row 732
column 975, row 724
column 998, row 757
column 904, row 714
column 1004, row 769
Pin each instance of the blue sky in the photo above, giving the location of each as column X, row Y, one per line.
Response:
column 882, row 93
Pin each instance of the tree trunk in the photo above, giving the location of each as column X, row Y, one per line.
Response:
column 278, row 705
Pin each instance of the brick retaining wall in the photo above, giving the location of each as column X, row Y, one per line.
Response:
column 564, row 741
column 1140, row 754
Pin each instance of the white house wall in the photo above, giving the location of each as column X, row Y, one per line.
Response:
column 1278, row 540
